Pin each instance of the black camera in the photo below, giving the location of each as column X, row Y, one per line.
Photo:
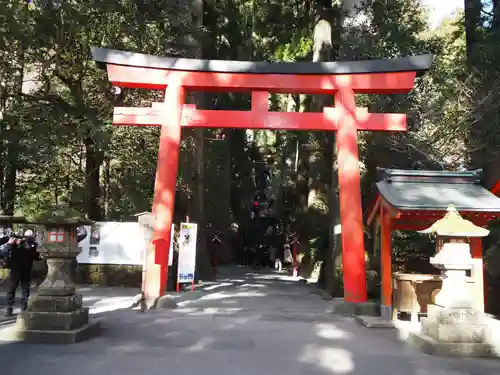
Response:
column 19, row 237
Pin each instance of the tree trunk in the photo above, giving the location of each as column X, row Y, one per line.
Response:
column 12, row 134
column 304, row 156
column 93, row 162
column 326, row 45
column 107, row 185
column 471, row 23
column 472, row 17
column 496, row 15
column 203, row 18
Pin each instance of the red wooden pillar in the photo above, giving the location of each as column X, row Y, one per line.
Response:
column 353, row 255
column 164, row 193
column 386, row 263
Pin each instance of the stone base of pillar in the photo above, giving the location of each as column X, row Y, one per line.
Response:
column 369, row 308
column 386, row 312
column 453, row 332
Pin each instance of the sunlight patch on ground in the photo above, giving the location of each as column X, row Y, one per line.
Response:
column 283, row 277
column 334, row 360
column 223, row 295
column 218, row 286
column 229, row 302
column 236, row 322
column 111, row 304
column 197, row 311
column 331, row 332
column 253, row 286
column 405, row 327
column 232, row 281
column 201, row 345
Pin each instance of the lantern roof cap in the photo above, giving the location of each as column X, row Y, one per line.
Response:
column 454, row 225
column 62, row 215
column 12, row 219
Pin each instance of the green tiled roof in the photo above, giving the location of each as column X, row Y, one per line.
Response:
column 436, row 190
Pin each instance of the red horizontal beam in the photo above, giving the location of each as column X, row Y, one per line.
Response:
column 153, row 78
column 329, row 119
column 409, row 227
column 248, row 120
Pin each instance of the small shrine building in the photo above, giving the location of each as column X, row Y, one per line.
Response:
column 412, row 200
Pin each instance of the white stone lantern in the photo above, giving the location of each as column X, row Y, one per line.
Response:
column 453, row 257
column 452, row 325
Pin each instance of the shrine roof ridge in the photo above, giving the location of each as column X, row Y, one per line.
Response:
column 418, row 63
column 430, row 176
column 436, row 190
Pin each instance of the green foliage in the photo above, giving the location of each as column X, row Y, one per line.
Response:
column 60, row 124
column 296, row 50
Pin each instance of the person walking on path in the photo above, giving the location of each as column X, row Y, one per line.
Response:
column 21, row 253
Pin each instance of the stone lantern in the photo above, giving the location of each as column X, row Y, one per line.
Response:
column 55, row 313
column 453, row 257
column 453, row 326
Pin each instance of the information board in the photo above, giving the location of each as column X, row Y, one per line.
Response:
column 187, row 252
column 112, row 243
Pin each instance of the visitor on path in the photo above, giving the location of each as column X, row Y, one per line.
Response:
column 21, row 253
column 81, row 234
column 3, row 245
column 215, row 244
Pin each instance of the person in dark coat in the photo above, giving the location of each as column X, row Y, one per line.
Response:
column 3, row 250
column 3, row 243
column 21, row 253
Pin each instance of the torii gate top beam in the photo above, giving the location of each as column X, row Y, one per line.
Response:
column 136, row 70
column 420, row 63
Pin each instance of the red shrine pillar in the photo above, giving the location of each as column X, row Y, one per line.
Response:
column 155, row 283
column 351, row 217
column 478, row 272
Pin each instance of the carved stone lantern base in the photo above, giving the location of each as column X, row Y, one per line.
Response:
column 453, row 332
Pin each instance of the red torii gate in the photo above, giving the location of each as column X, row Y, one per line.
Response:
column 341, row 79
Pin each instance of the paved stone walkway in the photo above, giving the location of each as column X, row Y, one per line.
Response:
column 246, row 323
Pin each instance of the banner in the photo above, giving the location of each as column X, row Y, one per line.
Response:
column 171, row 251
column 187, row 252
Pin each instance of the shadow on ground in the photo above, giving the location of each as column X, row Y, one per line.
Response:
column 246, row 323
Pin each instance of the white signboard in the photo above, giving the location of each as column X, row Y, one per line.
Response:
column 187, row 253
column 113, row 243
column 171, row 250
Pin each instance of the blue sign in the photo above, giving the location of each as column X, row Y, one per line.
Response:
column 186, row 276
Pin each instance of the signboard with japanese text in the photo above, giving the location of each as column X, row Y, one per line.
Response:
column 187, row 252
